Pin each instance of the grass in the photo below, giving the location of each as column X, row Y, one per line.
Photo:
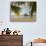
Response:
column 32, row 19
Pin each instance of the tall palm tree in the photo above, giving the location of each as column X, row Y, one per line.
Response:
column 33, row 5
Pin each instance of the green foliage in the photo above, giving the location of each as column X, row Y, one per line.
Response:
column 15, row 9
column 34, row 7
column 33, row 4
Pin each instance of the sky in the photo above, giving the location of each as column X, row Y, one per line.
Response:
column 31, row 30
column 26, row 9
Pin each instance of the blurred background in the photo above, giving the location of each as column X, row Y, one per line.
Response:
column 23, row 11
column 31, row 30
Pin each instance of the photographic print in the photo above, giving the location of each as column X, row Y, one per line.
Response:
column 21, row 11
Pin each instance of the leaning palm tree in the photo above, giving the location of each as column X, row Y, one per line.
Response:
column 16, row 9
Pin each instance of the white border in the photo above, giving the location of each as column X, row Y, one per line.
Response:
column 22, row 0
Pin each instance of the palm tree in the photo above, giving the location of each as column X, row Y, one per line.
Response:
column 15, row 9
column 33, row 5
